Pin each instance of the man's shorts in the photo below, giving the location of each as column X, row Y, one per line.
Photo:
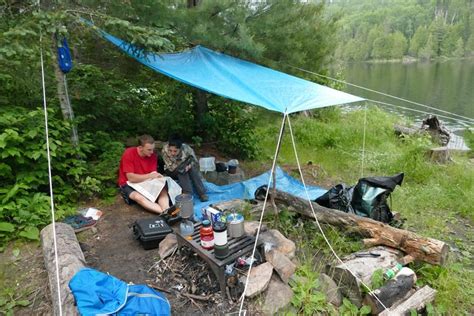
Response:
column 126, row 190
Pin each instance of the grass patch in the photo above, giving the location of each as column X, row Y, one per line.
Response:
column 435, row 199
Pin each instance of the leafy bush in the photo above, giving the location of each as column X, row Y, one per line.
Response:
column 231, row 126
column 24, row 184
column 306, row 297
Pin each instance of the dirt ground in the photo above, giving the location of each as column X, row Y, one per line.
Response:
column 110, row 247
column 24, row 277
column 184, row 278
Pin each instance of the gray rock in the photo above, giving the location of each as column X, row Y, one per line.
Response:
column 282, row 265
column 167, row 246
column 278, row 296
column 330, row 288
column 279, row 242
column 259, row 279
column 251, row 227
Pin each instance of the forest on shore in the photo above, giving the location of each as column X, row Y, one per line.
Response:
column 394, row 29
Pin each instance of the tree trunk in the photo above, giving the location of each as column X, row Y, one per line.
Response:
column 200, row 96
column 70, row 260
column 420, row 248
column 193, row 3
column 201, row 108
column 64, row 102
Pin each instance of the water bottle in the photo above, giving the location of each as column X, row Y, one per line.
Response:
column 390, row 273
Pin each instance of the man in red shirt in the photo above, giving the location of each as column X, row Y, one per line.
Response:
column 137, row 165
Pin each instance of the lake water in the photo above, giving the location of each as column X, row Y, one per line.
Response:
column 445, row 85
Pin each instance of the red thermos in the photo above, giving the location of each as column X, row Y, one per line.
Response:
column 207, row 235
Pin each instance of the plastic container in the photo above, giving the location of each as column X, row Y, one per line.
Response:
column 184, row 202
column 186, row 227
column 232, row 166
column 221, row 251
column 207, row 235
column 220, row 233
column 235, row 224
column 207, row 164
column 390, row 273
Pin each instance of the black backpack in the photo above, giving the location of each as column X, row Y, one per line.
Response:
column 368, row 198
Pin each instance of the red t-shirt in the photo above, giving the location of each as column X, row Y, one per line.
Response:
column 132, row 162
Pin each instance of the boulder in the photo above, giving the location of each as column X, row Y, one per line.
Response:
column 259, row 279
column 279, row 242
column 278, row 296
column 282, row 265
column 167, row 246
column 251, row 227
column 330, row 288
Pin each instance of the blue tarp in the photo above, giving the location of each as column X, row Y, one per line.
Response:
column 246, row 189
column 237, row 79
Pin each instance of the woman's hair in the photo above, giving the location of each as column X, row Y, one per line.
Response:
column 175, row 141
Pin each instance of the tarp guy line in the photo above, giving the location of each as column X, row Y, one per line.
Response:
column 280, row 136
column 385, row 94
column 419, row 111
column 317, row 221
column 50, row 178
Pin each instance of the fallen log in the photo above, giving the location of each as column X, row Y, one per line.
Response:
column 417, row 302
column 405, row 130
column 420, row 248
column 392, row 291
column 70, row 260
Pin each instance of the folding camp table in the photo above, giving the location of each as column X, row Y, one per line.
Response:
column 238, row 247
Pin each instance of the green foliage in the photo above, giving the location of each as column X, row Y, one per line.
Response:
column 452, row 295
column 469, row 139
column 8, row 301
column 376, row 280
column 367, row 30
column 231, row 125
column 307, row 299
column 349, row 309
column 24, row 188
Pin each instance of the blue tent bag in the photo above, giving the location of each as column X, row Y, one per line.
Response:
column 99, row 293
